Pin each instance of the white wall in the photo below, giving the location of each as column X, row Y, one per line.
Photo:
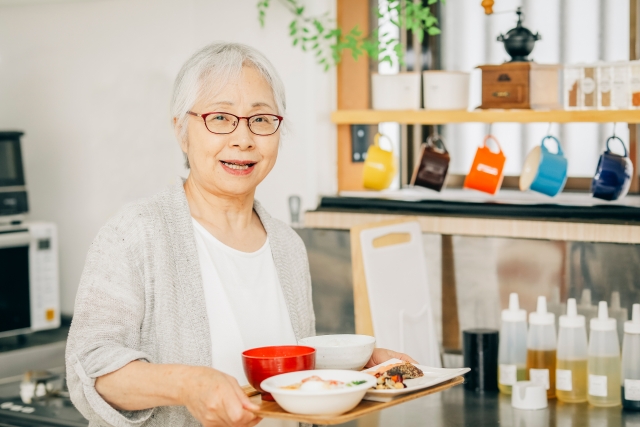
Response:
column 89, row 83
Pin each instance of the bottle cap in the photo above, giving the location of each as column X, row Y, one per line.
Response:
column 586, row 298
column 527, row 395
column 514, row 313
column 603, row 322
column 572, row 319
column 541, row 316
column 633, row 326
column 615, row 300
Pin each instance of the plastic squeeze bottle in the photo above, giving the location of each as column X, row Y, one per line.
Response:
column 554, row 305
column 541, row 348
column 571, row 371
column 631, row 361
column 586, row 309
column 619, row 313
column 604, row 360
column 512, row 350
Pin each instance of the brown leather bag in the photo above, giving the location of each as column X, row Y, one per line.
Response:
column 433, row 166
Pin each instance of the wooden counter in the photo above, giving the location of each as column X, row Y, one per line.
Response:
column 599, row 223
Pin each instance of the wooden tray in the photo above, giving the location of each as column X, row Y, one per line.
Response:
column 273, row 410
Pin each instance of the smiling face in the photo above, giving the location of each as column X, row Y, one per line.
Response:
column 233, row 164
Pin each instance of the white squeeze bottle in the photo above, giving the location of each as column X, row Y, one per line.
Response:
column 541, row 348
column 604, row 360
column 571, row 372
column 586, row 309
column 512, row 353
column 631, row 361
column 619, row 313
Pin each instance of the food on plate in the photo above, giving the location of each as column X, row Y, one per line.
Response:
column 391, row 377
column 315, row 383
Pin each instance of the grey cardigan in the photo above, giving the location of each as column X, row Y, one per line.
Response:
column 141, row 297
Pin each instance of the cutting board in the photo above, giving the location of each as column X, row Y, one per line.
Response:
column 398, row 291
column 273, row 410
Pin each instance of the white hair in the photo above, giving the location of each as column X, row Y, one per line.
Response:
column 210, row 69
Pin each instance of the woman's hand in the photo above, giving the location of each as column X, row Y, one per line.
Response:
column 381, row 355
column 215, row 399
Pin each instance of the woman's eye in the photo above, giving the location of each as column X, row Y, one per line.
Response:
column 261, row 119
column 219, row 117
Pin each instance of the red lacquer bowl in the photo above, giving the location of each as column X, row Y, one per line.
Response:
column 264, row 362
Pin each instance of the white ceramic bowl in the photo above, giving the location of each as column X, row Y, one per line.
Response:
column 341, row 351
column 321, row 402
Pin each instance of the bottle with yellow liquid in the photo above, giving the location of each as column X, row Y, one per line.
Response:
column 512, row 352
column 604, row 360
column 571, row 367
column 631, row 361
column 541, row 348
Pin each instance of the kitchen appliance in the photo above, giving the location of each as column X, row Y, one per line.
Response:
column 519, row 41
column 29, row 294
column 13, row 192
column 525, row 85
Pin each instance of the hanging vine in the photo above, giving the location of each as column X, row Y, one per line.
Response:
column 321, row 36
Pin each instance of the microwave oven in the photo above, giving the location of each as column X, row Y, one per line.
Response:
column 13, row 191
column 29, row 281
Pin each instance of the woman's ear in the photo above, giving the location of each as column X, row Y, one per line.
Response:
column 181, row 135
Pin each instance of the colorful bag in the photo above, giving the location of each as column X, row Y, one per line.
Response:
column 487, row 169
column 431, row 170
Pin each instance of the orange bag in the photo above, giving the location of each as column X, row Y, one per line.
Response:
column 487, row 170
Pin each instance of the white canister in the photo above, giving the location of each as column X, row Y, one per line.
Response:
column 445, row 90
column 634, row 84
column 395, row 91
column 620, row 93
column 604, row 83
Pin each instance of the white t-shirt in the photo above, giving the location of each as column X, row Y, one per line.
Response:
column 244, row 299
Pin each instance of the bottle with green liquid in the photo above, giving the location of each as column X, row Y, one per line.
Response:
column 571, row 363
column 604, row 360
column 512, row 350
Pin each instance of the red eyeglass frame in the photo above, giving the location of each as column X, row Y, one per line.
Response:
column 204, row 119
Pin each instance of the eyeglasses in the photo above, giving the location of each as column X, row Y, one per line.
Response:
column 225, row 123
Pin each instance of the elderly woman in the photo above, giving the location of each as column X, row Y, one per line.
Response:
column 176, row 286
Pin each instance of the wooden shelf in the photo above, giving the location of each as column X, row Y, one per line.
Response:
column 486, row 227
column 432, row 117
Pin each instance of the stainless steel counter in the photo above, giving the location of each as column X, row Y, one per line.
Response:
column 458, row 407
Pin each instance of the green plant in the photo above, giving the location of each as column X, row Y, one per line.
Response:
column 321, row 36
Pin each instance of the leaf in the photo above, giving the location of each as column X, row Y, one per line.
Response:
column 430, row 2
column 433, row 31
column 431, row 20
column 319, row 26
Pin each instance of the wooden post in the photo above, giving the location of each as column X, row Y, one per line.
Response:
column 353, row 90
column 450, row 320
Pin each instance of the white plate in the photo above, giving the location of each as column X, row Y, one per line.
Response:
column 431, row 377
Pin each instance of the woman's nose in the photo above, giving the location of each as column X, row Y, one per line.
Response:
column 242, row 137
